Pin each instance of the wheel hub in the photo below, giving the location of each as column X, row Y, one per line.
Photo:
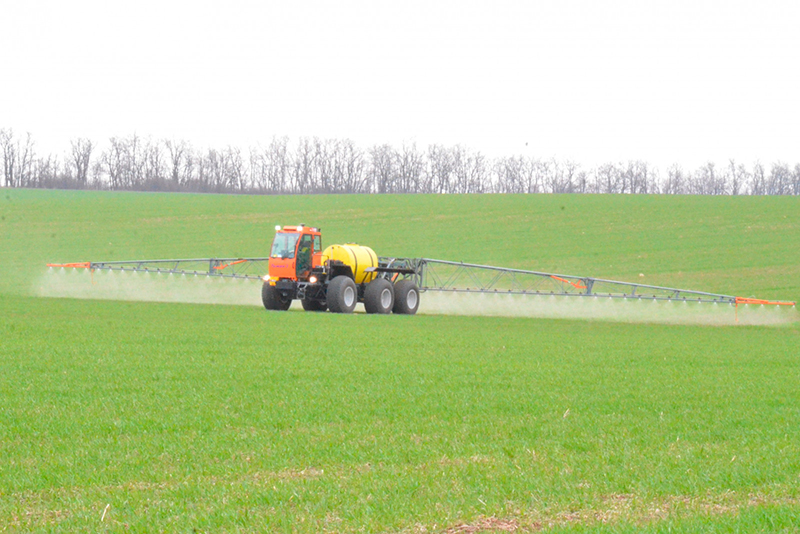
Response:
column 349, row 296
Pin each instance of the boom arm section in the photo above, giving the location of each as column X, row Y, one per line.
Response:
column 441, row 275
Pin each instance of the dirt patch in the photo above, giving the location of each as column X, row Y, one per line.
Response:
column 618, row 508
column 485, row 524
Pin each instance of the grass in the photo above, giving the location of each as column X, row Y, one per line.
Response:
column 130, row 416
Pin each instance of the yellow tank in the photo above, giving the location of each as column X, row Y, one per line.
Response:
column 356, row 256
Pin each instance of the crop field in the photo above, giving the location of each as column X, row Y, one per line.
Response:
column 180, row 416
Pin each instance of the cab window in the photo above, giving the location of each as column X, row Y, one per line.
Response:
column 284, row 245
column 305, row 243
column 317, row 243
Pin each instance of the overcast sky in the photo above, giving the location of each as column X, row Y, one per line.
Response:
column 592, row 81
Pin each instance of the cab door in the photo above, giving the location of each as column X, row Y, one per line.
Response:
column 304, row 251
column 316, row 254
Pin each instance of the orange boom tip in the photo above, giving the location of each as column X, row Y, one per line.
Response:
column 83, row 265
column 220, row 267
column 743, row 300
column 576, row 285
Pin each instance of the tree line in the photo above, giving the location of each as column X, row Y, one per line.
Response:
column 311, row 165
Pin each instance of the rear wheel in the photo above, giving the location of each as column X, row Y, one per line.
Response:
column 314, row 305
column 379, row 296
column 342, row 295
column 406, row 297
column 272, row 298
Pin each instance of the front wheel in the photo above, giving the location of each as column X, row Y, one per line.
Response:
column 406, row 297
column 342, row 295
column 272, row 298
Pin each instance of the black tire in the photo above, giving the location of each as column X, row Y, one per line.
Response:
column 272, row 298
column 406, row 297
column 342, row 295
column 379, row 296
column 314, row 305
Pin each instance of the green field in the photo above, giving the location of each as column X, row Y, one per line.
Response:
column 134, row 416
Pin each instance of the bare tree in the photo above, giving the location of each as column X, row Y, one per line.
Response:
column 136, row 162
column 115, row 163
column 410, row 165
column 81, row 155
column 631, row 177
column 759, row 182
column 46, row 172
column 608, row 179
column 580, row 182
column 131, row 163
column 509, row 174
column 323, row 169
column 780, row 179
column 705, row 181
column 178, row 155
column 737, row 177
column 258, row 170
column 27, row 154
column 9, row 156
column 562, row 177
column 381, row 171
column 303, row 169
column 469, row 171
column 534, row 175
column 215, row 173
column 237, row 174
column 351, row 164
column 440, row 169
column 189, row 170
column 18, row 159
column 317, row 165
column 202, row 173
column 276, row 164
column 461, row 173
column 640, row 177
column 675, row 183
column 796, row 180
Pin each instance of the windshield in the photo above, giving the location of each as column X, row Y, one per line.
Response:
column 284, row 245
